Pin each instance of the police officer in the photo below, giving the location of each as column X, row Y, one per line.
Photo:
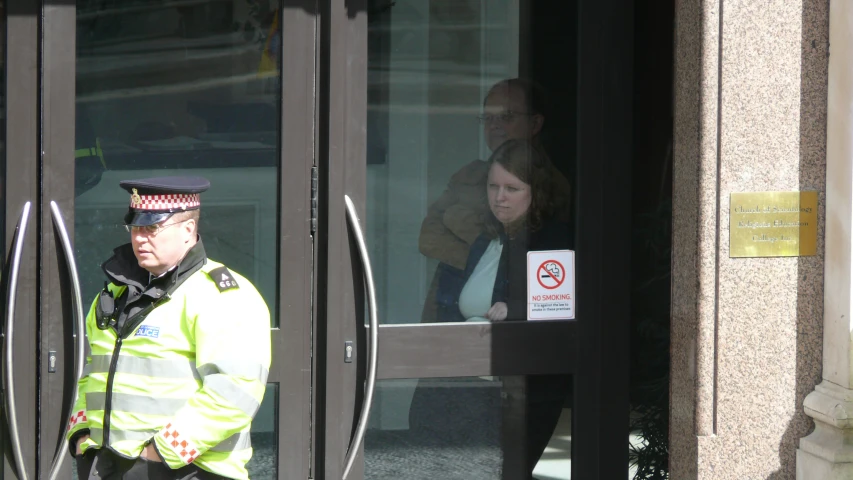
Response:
column 89, row 156
column 180, row 351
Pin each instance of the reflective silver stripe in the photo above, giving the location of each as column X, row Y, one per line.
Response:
column 87, row 369
column 237, row 368
column 238, row 441
column 97, row 435
column 149, row 367
column 127, row 402
column 231, row 392
column 99, row 364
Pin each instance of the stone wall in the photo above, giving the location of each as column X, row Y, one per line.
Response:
column 750, row 116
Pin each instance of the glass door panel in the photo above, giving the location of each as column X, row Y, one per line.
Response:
column 469, row 428
column 180, row 90
column 448, row 84
column 159, row 89
column 445, row 89
column 184, row 89
column 480, row 143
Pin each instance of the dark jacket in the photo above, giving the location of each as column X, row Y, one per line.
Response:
column 453, row 223
column 511, row 281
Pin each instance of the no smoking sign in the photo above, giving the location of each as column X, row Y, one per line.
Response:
column 551, row 274
column 551, row 285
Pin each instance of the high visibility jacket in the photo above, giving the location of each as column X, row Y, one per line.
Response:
column 189, row 377
column 89, row 164
column 93, row 151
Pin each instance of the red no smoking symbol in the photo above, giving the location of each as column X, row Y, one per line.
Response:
column 551, row 274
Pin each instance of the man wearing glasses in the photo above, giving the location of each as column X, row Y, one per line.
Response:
column 514, row 109
column 180, row 351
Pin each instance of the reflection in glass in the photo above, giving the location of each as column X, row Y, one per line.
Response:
column 481, row 428
column 264, row 462
column 527, row 208
column 180, row 88
column 446, row 88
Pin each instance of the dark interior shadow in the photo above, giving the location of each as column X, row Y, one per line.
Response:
column 651, row 237
column 309, row 6
column 23, row 8
column 356, row 7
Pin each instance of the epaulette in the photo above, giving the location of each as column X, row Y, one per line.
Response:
column 223, row 278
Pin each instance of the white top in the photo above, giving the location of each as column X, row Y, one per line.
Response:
column 476, row 297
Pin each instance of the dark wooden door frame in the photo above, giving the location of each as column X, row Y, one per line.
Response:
column 20, row 185
column 604, row 136
column 342, row 98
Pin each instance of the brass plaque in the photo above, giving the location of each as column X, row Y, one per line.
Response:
column 773, row 224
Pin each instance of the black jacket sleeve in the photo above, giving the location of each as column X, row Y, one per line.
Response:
column 552, row 236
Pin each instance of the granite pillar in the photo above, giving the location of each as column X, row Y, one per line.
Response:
column 827, row 453
column 750, row 116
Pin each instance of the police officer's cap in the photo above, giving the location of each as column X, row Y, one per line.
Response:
column 153, row 200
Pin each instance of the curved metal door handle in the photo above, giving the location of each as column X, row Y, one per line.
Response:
column 80, row 331
column 372, row 344
column 9, row 375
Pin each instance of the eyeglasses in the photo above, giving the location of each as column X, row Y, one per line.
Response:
column 503, row 117
column 152, row 230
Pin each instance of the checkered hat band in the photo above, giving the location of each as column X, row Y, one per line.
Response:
column 169, row 201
